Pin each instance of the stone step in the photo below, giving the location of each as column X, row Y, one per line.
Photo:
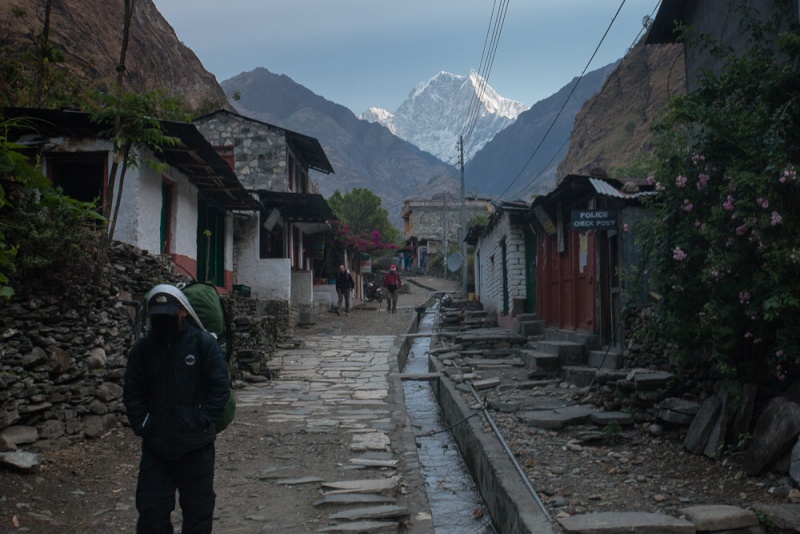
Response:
column 527, row 317
column 540, row 361
column 556, row 418
column 614, row 522
column 580, row 375
column 606, row 358
column 583, row 338
column 569, row 352
column 531, row 328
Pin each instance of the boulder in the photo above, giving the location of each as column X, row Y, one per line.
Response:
column 794, row 466
column 716, row 439
column 774, row 435
column 702, row 424
column 677, row 411
column 20, row 434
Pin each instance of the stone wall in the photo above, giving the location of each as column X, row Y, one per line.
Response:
column 62, row 359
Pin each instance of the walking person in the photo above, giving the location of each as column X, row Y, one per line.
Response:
column 392, row 283
column 344, row 284
column 176, row 386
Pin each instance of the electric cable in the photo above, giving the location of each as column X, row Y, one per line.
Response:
column 566, row 100
column 583, row 117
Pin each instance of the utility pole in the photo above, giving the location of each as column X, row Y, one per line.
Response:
column 464, row 269
column 444, row 235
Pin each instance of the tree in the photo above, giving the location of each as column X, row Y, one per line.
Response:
column 723, row 247
column 361, row 211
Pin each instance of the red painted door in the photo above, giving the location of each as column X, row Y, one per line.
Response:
column 584, row 256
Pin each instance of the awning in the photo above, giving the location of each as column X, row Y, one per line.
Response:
column 298, row 207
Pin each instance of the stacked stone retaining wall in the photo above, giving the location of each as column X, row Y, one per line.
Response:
column 62, row 359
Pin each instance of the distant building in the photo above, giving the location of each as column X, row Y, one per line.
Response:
column 427, row 223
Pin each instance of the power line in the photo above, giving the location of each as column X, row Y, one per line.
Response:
column 586, row 113
column 491, row 42
column 566, row 100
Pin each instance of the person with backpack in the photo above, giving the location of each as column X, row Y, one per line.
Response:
column 176, row 386
column 344, row 284
column 392, row 283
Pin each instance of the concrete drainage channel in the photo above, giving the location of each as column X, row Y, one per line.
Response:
column 467, row 471
column 456, row 504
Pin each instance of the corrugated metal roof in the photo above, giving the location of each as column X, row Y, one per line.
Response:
column 606, row 189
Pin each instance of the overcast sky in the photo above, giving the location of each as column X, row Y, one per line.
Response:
column 371, row 53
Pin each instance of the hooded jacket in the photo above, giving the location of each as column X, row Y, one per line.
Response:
column 175, row 389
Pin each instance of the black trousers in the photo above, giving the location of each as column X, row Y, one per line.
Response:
column 192, row 475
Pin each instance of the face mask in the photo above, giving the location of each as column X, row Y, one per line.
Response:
column 164, row 326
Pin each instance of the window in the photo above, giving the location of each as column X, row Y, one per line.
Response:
column 80, row 175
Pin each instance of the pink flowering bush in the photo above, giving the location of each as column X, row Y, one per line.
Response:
column 722, row 247
column 370, row 242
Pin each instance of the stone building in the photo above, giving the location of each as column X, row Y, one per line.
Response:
column 279, row 251
column 429, row 222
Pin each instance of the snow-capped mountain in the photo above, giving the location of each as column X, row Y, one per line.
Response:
column 440, row 110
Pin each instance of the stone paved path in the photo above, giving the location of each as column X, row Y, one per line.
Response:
column 332, row 423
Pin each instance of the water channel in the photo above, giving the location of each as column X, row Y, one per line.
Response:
column 456, row 504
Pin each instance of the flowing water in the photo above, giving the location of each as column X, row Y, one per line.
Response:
column 456, row 503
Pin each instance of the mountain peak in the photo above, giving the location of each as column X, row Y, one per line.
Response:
column 437, row 113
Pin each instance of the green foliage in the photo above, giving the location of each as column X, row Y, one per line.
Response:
column 722, row 249
column 35, row 74
column 45, row 237
column 478, row 219
column 361, row 210
column 363, row 219
column 133, row 119
column 612, row 434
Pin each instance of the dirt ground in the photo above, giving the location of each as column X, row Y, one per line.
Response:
column 89, row 487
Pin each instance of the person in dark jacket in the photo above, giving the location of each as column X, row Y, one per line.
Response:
column 176, row 386
column 344, row 283
column 392, row 283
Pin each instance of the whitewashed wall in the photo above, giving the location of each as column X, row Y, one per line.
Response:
column 302, row 289
column 491, row 267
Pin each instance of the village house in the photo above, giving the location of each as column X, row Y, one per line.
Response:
column 183, row 209
column 280, row 251
column 505, row 262
column 585, row 235
column 431, row 225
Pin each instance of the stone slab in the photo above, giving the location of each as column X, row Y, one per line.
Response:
column 354, row 498
column 486, row 384
column 372, row 485
column 372, row 462
column 20, row 434
column 363, row 527
column 20, row 459
column 372, row 512
column 623, row 522
column 556, row 419
column 299, row 481
column 783, row 516
column 372, row 441
column 710, row 517
column 606, row 418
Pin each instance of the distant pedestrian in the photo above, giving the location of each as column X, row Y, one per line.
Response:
column 176, row 385
column 344, row 284
column 392, row 283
